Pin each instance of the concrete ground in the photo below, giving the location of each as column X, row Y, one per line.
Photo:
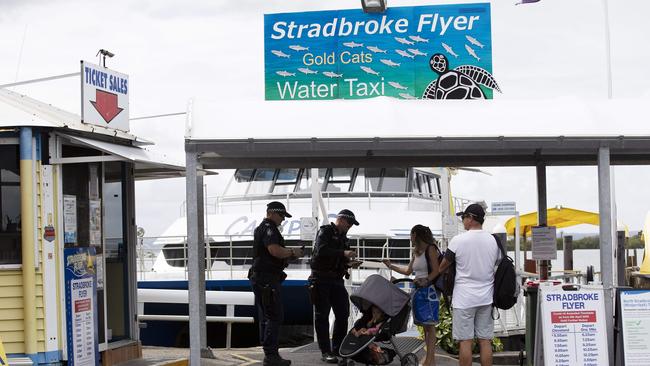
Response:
column 305, row 355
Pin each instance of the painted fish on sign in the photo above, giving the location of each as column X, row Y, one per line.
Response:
column 416, row 45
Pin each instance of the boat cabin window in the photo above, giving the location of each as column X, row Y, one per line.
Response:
column 304, row 185
column 339, row 179
column 282, row 181
column 426, row 184
column 244, row 175
column 423, row 183
column 394, row 180
column 239, row 182
column 286, row 181
column 262, row 181
column 373, row 178
column 381, row 180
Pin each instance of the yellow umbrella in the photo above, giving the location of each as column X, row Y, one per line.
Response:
column 558, row 216
column 645, row 266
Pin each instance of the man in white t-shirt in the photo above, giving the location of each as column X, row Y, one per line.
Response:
column 475, row 253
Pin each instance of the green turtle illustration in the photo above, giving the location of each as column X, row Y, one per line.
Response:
column 460, row 83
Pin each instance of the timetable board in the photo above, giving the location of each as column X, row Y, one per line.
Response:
column 571, row 326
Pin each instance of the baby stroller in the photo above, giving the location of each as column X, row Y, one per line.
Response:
column 389, row 298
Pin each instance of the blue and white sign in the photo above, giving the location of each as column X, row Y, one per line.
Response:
column 635, row 321
column 504, row 208
column 81, row 306
column 104, row 97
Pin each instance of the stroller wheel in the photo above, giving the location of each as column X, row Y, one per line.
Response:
column 410, row 359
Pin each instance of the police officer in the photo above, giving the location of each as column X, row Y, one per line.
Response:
column 329, row 264
column 270, row 257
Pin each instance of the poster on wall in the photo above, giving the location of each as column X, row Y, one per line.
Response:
column 99, row 270
column 635, row 321
column 81, row 306
column 95, row 224
column 415, row 52
column 69, row 218
column 573, row 328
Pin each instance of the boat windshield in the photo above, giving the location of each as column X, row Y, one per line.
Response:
column 263, row 181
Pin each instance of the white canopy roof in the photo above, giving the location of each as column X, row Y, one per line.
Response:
column 18, row 110
column 389, row 117
column 391, row 132
column 148, row 164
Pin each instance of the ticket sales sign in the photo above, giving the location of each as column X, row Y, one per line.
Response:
column 573, row 323
column 411, row 52
column 104, row 97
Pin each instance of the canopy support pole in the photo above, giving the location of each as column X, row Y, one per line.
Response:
column 195, row 259
column 517, row 243
column 542, row 217
column 606, row 269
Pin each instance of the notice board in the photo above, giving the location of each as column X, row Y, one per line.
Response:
column 635, row 322
column 81, row 306
column 571, row 326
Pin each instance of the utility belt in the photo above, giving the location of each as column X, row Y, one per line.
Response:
column 331, row 277
column 266, row 277
column 317, row 274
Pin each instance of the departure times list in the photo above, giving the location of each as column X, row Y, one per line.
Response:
column 81, row 306
column 574, row 327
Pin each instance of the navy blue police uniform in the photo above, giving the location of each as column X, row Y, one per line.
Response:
column 266, row 276
column 328, row 267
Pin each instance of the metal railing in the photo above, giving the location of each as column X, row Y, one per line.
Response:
column 367, row 248
column 216, row 204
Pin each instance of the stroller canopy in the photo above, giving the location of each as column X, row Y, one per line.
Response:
column 378, row 291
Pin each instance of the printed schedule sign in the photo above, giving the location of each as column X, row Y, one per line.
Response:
column 69, row 218
column 429, row 52
column 544, row 243
column 81, row 306
column 635, row 320
column 573, row 326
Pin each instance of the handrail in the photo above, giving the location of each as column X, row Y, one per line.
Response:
column 148, row 258
column 228, row 298
column 218, row 202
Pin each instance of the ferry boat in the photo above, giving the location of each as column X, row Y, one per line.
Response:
column 386, row 201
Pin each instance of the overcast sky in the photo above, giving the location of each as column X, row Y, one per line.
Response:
column 175, row 50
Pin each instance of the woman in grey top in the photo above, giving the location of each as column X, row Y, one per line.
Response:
column 422, row 240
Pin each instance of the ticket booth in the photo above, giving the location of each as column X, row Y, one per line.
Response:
column 66, row 185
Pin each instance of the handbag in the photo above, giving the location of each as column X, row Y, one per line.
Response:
column 426, row 305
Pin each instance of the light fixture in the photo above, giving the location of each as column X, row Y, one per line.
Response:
column 373, row 6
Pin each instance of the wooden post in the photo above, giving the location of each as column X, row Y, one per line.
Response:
column 568, row 253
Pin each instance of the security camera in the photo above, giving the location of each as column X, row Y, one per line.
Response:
column 106, row 53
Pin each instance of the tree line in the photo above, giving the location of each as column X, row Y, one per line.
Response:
column 588, row 242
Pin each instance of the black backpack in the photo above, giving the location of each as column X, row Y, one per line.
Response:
column 506, row 290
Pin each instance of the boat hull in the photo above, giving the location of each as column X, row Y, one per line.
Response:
column 297, row 327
